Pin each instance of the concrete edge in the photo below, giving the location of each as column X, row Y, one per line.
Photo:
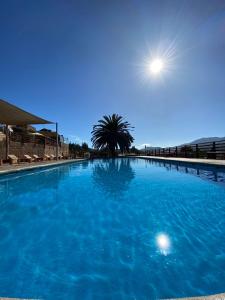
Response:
column 40, row 166
column 17, row 299
column 210, row 163
column 210, row 297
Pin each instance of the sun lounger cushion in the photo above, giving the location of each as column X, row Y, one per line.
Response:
column 28, row 158
column 13, row 158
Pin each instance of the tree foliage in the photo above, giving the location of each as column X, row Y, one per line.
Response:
column 112, row 133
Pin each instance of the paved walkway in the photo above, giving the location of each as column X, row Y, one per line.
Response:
column 212, row 297
column 7, row 168
column 16, row 299
column 202, row 161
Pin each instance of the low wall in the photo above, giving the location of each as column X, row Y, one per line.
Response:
column 2, row 149
column 19, row 149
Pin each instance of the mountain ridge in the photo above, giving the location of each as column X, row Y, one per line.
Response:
column 197, row 141
column 207, row 140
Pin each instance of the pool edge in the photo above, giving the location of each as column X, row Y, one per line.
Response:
column 190, row 161
column 210, row 297
column 39, row 166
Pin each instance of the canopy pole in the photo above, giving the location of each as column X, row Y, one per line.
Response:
column 7, row 141
column 57, row 141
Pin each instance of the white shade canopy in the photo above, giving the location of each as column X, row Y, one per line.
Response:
column 13, row 115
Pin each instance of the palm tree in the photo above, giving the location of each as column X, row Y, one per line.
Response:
column 112, row 132
column 113, row 176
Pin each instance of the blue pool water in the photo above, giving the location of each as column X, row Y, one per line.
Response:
column 112, row 229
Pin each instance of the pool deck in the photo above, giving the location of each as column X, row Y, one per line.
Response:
column 7, row 168
column 212, row 297
column 201, row 161
column 17, row 299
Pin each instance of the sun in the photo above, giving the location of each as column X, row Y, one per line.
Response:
column 156, row 66
column 158, row 63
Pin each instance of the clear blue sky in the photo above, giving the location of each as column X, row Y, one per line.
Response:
column 74, row 61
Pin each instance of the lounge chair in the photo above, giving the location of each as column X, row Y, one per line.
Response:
column 28, row 158
column 52, row 156
column 13, row 159
column 47, row 157
column 37, row 158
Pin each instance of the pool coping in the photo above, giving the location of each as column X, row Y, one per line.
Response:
column 17, row 299
column 21, row 168
column 196, row 161
column 210, row 297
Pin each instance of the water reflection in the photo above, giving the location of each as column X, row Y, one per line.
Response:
column 216, row 174
column 113, row 175
column 163, row 243
column 32, row 182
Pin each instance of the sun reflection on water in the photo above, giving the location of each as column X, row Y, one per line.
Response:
column 163, row 243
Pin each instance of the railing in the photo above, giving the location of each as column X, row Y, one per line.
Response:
column 29, row 138
column 214, row 150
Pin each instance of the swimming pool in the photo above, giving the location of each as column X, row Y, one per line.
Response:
column 112, row 229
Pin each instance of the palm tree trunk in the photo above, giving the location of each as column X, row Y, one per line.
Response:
column 112, row 151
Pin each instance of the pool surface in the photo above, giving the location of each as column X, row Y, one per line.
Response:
column 112, row 229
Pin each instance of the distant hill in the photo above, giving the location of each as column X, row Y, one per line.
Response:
column 150, row 148
column 198, row 141
column 207, row 140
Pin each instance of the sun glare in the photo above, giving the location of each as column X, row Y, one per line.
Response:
column 158, row 62
column 156, row 66
column 163, row 243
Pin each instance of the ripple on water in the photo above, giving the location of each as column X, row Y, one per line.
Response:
column 90, row 232
column 5, row 233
